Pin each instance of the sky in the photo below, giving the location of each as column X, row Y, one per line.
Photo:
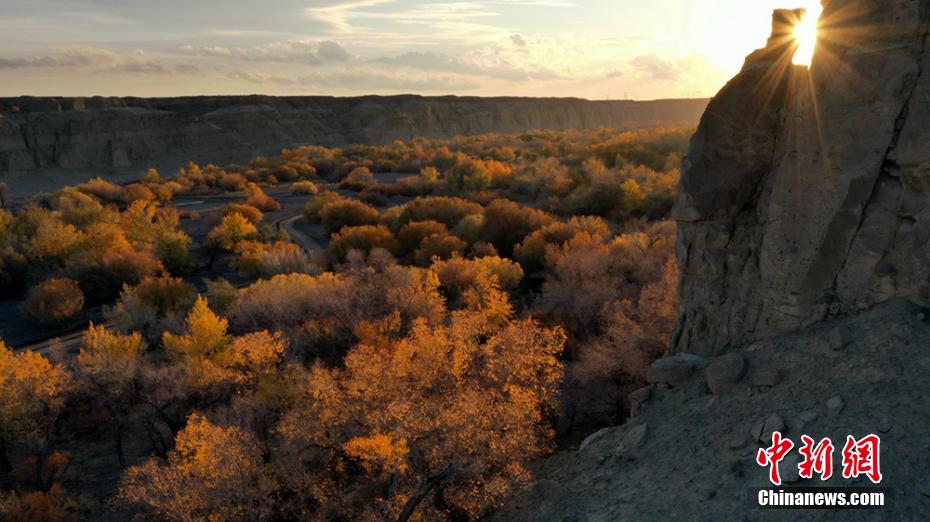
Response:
column 595, row 49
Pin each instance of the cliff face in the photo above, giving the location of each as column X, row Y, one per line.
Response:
column 123, row 133
column 806, row 193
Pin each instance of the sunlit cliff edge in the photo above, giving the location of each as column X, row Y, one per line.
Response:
column 804, row 244
column 806, row 192
column 70, row 139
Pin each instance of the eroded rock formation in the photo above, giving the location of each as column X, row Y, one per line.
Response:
column 807, row 196
column 116, row 134
column 806, row 193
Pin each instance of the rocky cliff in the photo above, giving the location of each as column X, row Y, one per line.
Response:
column 807, row 192
column 804, row 237
column 118, row 134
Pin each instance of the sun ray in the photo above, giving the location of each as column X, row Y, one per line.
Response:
column 805, row 33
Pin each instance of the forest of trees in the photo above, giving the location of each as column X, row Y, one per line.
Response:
column 472, row 296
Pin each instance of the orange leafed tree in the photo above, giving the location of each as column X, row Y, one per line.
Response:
column 230, row 232
column 215, row 358
column 32, row 392
column 636, row 333
column 113, row 363
column 212, row 474
column 459, row 405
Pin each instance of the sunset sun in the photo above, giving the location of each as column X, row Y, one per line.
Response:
column 806, row 35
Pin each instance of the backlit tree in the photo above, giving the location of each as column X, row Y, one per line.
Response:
column 33, row 393
column 230, row 232
column 459, row 407
column 113, row 363
column 213, row 473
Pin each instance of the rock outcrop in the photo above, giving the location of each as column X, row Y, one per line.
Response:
column 806, row 193
column 101, row 135
column 804, row 224
column 690, row 455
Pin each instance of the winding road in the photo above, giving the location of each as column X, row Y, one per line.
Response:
column 312, row 246
column 292, row 212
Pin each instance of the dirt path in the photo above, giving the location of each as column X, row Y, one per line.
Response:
column 312, row 246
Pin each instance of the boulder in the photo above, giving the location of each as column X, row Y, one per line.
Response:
column 593, row 438
column 633, row 439
column 765, row 377
column 674, row 370
column 835, row 405
column 639, row 398
column 725, row 371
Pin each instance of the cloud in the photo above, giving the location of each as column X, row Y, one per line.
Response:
column 330, row 53
column 461, row 22
column 186, row 68
column 137, row 66
column 655, row 68
column 98, row 60
column 249, row 76
column 357, row 80
column 32, row 62
column 95, row 17
column 337, row 15
column 435, row 62
column 309, row 53
column 211, row 51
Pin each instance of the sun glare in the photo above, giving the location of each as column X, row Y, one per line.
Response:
column 806, row 35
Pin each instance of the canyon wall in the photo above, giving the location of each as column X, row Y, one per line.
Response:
column 806, row 193
column 120, row 134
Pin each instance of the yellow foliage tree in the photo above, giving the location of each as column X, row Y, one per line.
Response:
column 636, row 332
column 255, row 196
column 253, row 356
column 154, row 230
column 231, row 231
column 461, row 403
column 205, row 340
column 48, row 242
column 54, row 505
column 212, row 474
column 33, row 392
column 215, row 358
column 111, row 359
column 458, row 274
column 113, row 364
column 206, row 333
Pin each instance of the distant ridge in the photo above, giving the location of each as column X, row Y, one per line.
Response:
column 59, row 138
